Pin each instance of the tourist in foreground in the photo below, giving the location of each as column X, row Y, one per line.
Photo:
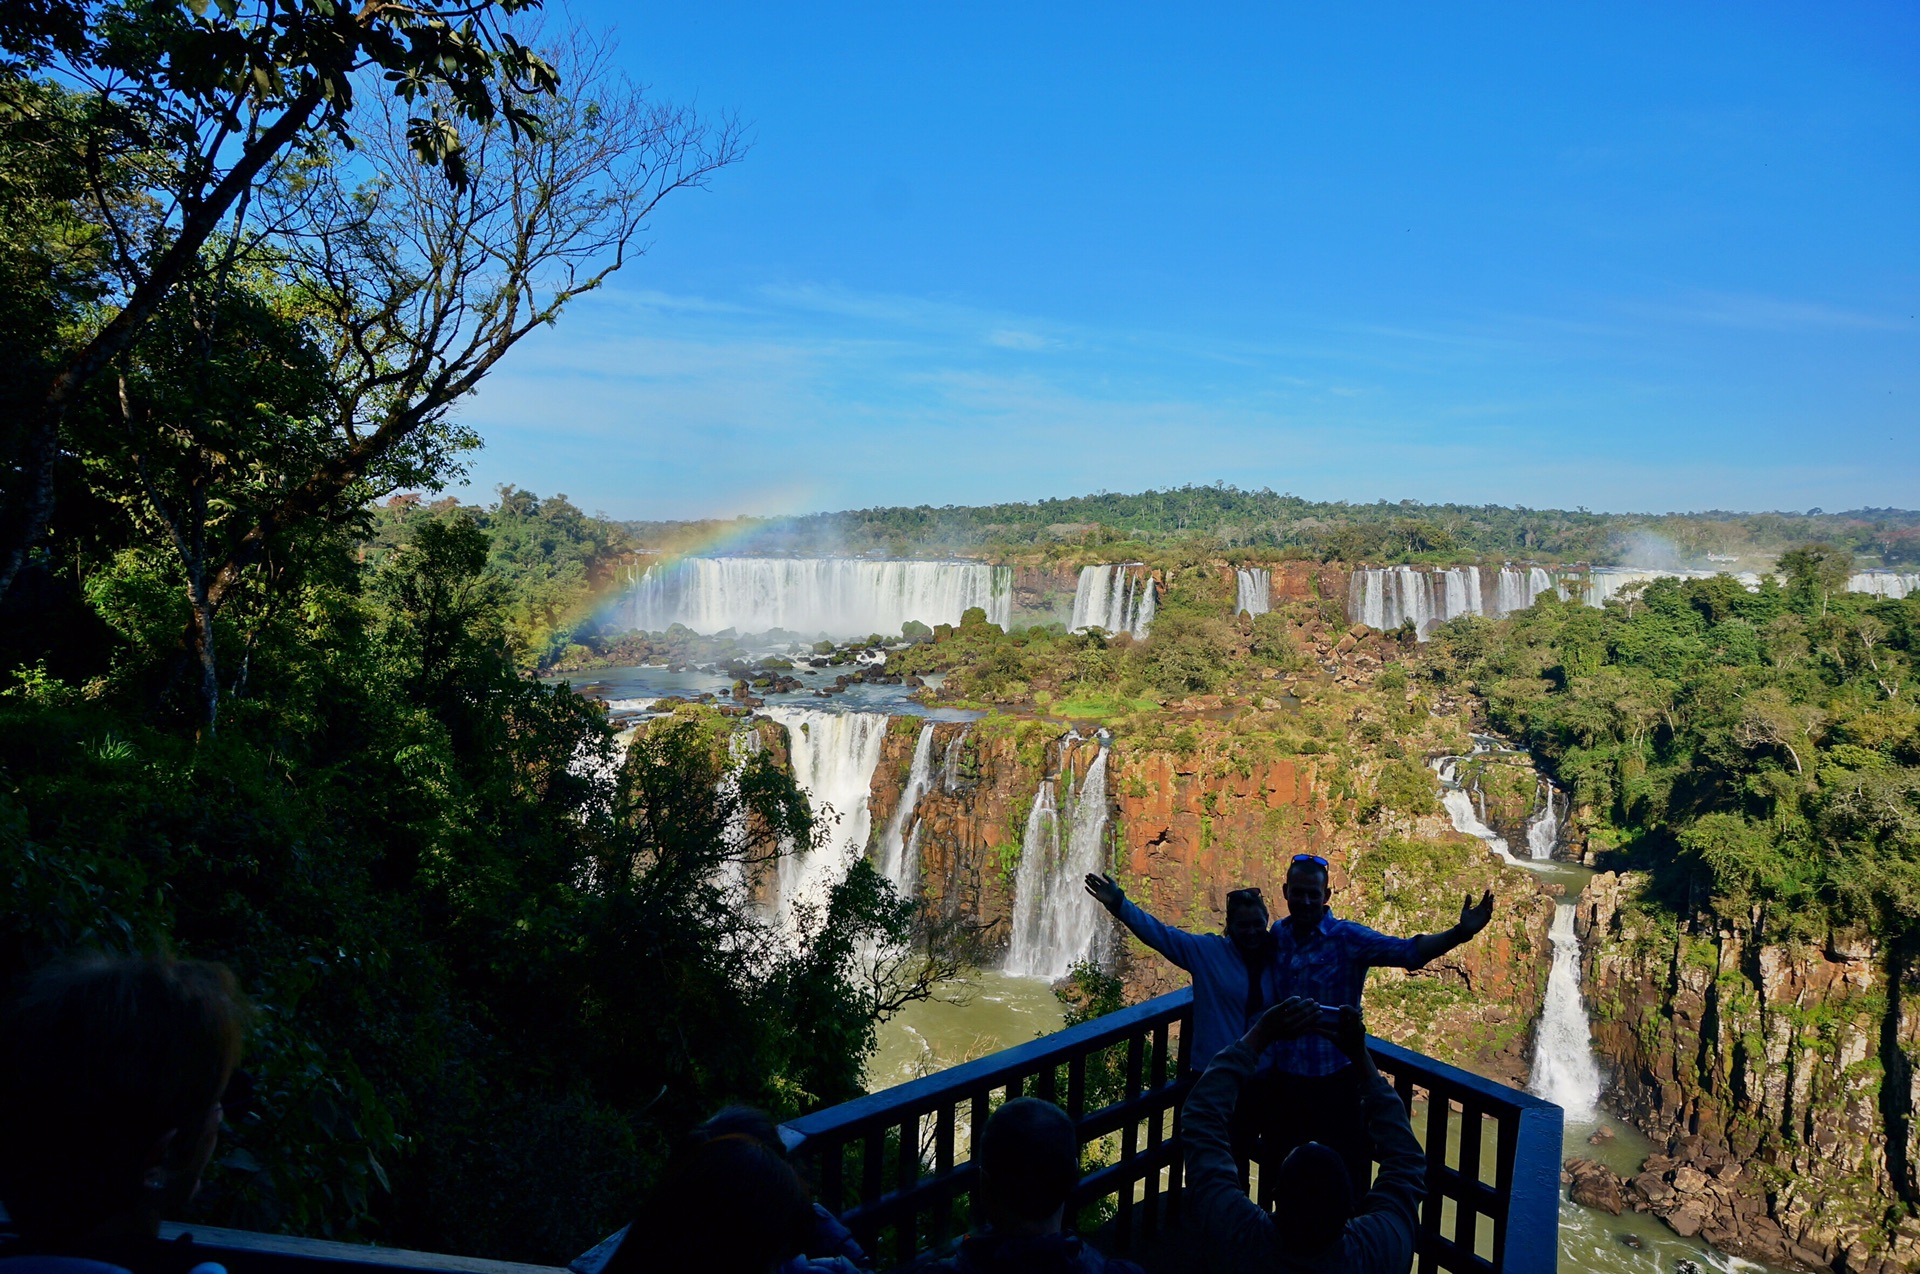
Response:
column 1316, row 1225
column 1029, row 1162
column 111, row 1075
column 1303, row 1089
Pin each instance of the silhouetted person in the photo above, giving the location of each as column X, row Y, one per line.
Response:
column 730, row 1205
column 111, row 1074
column 1304, row 1089
column 1028, row 1159
column 827, row 1240
column 1315, row 1225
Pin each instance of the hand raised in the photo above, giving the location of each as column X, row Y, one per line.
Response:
column 1106, row 891
column 1475, row 915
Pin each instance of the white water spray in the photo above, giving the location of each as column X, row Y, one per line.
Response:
column 1253, row 588
column 1117, row 599
column 1564, row 1070
column 833, row 758
column 899, row 859
column 1055, row 923
column 838, row 596
column 1543, row 829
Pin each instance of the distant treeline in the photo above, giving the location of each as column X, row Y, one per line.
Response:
column 1266, row 520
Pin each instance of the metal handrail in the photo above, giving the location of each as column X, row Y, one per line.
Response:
column 886, row 1162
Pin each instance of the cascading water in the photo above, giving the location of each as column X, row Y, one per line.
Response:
column 833, row 758
column 1055, row 923
column 950, row 775
column 1253, row 591
column 1118, row 599
column 900, row 841
column 1515, row 588
column 1459, row 805
column 1543, row 829
column 1564, row 1070
column 1385, row 597
column 838, row 596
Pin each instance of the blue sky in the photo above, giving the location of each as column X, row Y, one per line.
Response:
column 1632, row 257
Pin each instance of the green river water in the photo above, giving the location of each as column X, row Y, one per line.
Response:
column 992, row 1011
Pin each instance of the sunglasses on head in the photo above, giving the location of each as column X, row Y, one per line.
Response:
column 1315, row 859
column 1249, row 894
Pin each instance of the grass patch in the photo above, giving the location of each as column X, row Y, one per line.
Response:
column 1099, row 707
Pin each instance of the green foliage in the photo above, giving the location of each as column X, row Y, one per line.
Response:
column 1748, row 749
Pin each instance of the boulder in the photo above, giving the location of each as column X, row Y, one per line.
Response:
column 1595, row 1185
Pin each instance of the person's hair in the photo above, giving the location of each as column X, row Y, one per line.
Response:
column 742, row 1121
column 100, row 1059
column 728, row 1204
column 1029, row 1155
column 1238, row 899
column 1313, row 1197
column 1318, row 869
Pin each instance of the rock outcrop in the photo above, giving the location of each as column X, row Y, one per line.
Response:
column 1761, row 1067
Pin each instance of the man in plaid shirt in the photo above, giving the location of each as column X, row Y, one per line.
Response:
column 1304, row 1089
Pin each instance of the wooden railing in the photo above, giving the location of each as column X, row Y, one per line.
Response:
column 893, row 1164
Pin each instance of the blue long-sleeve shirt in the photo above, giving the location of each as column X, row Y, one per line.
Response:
column 1329, row 966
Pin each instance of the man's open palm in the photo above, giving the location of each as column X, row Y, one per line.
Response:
column 1475, row 915
column 1105, row 890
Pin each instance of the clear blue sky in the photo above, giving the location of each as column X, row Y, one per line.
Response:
column 1633, row 257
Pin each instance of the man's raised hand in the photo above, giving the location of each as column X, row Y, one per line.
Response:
column 1475, row 915
column 1107, row 892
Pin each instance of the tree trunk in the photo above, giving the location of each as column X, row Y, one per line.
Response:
column 206, row 660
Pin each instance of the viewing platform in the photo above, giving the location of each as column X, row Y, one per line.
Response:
column 1493, row 1159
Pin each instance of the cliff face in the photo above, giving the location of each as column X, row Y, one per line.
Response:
column 1777, row 1077
column 1187, row 825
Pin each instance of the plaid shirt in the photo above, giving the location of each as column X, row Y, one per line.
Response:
column 1329, row 966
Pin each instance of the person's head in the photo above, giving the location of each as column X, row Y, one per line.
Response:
column 742, row 1121
column 1313, row 1198
column 1029, row 1160
column 111, row 1074
column 1247, row 919
column 1306, row 890
column 729, row 1204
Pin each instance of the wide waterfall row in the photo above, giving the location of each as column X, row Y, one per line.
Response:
column 1516, row 587
column 1118, row 598
column 1253, row 591
column 1055, row 923
column 836, row 596
column 1884, row 583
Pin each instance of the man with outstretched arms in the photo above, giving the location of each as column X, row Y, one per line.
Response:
column 1304, row 1087
column 1316, row 1224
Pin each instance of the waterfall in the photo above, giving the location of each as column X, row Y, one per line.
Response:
column 1055, row 923
column 1515, row 588
column 838, row 596
column 1119, row 599
column 1604, row 582
column 1894, row 584
column 899, row 859
column 833, row 758
column 1253, row 590
column 1458, row 803
column 950, row 777
column 1543, row 830
column 1384, row 597
column 1564, row 1071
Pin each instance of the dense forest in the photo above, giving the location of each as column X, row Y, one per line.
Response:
column 245, row 716
column 1382, row 532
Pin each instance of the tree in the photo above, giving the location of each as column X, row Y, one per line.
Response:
column 408, row 287
column 180, row 111
column 1816, row 571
